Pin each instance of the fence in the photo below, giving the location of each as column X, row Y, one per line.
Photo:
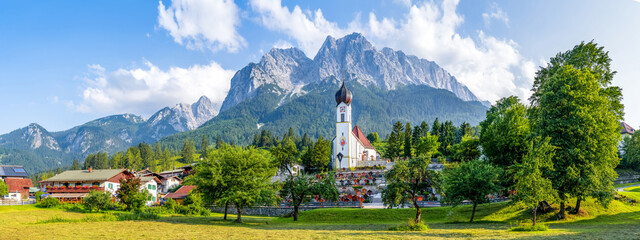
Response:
column 4, row 202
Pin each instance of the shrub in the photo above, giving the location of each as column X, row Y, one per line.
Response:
column 530, row 228
column 170, row 205
column 48, row 203
column 96, row 200
column 38, row 194
column 411, row 227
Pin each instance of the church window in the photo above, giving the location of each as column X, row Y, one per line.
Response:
column 342, row 117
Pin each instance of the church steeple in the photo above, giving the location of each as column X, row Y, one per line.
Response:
column 343, row 95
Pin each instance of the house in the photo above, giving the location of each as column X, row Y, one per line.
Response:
column 180, row 172
column 150, row 183
column 18, row 187
column 12, row 171
column 73, row 185
column 169, row 183
column 626, row 129
column 180, row 194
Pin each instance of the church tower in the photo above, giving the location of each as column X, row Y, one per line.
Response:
column 343, row 141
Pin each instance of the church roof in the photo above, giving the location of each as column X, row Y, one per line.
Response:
column 343, row 95
column 626, row 129
column 361, row 137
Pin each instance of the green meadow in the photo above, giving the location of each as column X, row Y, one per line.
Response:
column 620, row 220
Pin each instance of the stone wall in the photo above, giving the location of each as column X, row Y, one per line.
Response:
column 627, row 179
column 263, row 211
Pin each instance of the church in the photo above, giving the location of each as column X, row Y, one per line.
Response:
column 350, row 146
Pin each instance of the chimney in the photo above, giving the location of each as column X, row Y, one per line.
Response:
column 90, row 169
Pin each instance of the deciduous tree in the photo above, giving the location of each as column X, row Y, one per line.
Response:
column 472, row 180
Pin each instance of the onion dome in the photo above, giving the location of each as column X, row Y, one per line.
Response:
column 343, row 95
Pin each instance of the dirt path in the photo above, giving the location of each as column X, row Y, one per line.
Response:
column 621, row 189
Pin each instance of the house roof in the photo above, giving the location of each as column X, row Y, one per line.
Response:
column 172, row 171
column 361, row 137
column 13, row 171
column 85, row 175
column 18, row 184
column 146, row 179
column 181, row 193
column 626, row 129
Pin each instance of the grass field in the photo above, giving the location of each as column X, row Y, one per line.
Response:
column 619, row 221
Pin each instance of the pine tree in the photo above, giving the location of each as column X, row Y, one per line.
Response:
column 204, row 145
column 75, row 165
column 407, row 141
column 395, row 142
column 188, row 150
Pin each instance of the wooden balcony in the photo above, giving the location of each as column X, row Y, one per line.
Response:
column 73, row 190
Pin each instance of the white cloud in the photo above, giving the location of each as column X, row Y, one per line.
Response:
column 200, row 24
column 146, row 90
column 281, row 44
column 490, row 67
column 497, row 14
column 309, row 29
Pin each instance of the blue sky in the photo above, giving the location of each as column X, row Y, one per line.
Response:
column 66, row 63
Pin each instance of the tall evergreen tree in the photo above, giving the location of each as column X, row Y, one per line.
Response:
column 188, row 150
column 395, row 142
column 75, row 165
column 219, row 142
column 204, row 145
column 407, row 141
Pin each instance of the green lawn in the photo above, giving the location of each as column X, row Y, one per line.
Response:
column 632, row 189
column 619, row 221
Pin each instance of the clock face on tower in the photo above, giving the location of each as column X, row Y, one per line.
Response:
column 343, row 109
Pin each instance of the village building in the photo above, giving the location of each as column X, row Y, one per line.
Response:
column 151, row 184
column 169, row 183
column 17, row 180
column 73, row 185
column 350, row 146
column 626, row 130
column 180, row 194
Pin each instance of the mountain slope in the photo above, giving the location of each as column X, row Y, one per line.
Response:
column 37, row 149
column 374, row 109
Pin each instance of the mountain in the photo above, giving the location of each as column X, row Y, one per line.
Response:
column 288, row 89
column 38, row 149
column 352, row 56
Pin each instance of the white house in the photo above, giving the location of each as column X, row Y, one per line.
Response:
column 73, row 185
column 169, row 183
column 151, row 184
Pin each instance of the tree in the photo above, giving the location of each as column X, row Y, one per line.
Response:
column 75, row 165
column 407, row 180
column 631, row 152
column 130, row 195
column 96, row 200
column 427, row 146
column 318, row 157
column 146, row 155
column 575, row 105
column 286, row 155
column 210, row 180
column 166, row 159
column 435, row 128
column 504, row 134
column 447, row 137
column 467, row 150
column 418, row 132
column 188, row 150
column 472, row 180
column 465, row 130
column 246, row 173
column 219, row 142
column 4, row 189
column 373, row 137
column 395, row 142
column 302, row 187
column 407, row 141
column 530, row 182
column 204, row 145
